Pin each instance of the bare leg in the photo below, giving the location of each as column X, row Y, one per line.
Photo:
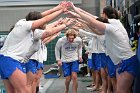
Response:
column 34, row 85
column 88, row 71
column 30, row 78
column 36, row 80
column 124, row 82
column 8, row 86
column 97, row 82
column 19, row 81
column 110, row 87
column 104, row 80
column 114, row 84
column 37, row 86
column 93, row 76
column 75, row 83
column 67, row 83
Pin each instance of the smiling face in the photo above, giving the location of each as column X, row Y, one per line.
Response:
column 70, row 38
column 71, row 35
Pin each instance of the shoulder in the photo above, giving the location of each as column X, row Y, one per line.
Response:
column 22, row 22
column 114, row 21
column 62, row 39
column 111, row 27
column 78, row 39
column 39, row 31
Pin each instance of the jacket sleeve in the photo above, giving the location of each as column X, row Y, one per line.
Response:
column 58, row 49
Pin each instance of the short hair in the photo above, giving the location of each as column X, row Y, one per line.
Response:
column 33, row 16
column 110, row 12
column 71, row 32
column 102, row 19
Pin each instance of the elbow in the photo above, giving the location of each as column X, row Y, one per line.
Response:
column 43, row 37
column 46, row 34
column 99, row 32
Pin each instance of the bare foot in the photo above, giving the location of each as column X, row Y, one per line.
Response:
column 95, row 88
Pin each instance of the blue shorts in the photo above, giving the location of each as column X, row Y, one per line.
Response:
column 103, row 60
column 94, row 58
column 90, row 64
column 111, row 67
column 97, row 60
column 138, row 50
column 70, row 67
column 130, row 65
column 31, row 65
column 8, row 65
column 40, row 66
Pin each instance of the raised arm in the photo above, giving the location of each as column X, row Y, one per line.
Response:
column 80, row 51
column 91, row 20
column 56, row 29
column 57, row 50
column 47, row 12
column 51, row 31
column 49, row 39
column 53, row 24
column 88, row 34
column 87, row 13
column 63, row 5
column 40, row 22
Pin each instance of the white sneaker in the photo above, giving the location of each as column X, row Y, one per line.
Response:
column 88, row 75
column 89, row 88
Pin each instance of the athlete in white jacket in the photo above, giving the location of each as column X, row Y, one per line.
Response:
column 70, row 47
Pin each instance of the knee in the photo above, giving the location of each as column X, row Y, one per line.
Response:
column 74, row 78
column 103, row 75
column 68, row 80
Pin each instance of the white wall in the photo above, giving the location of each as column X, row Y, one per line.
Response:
column 9, row 15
